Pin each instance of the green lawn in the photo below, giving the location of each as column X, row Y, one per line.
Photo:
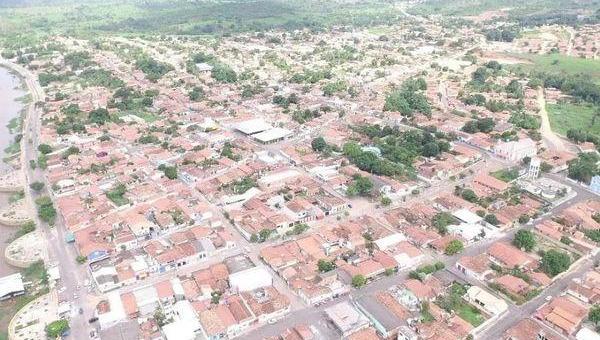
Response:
column 564, row 116
column 506, row 175
column 560, row 63
column 470, row 314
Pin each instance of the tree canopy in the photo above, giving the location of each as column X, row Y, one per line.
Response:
column 524, row 239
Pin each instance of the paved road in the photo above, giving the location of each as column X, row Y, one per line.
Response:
column 72, row 274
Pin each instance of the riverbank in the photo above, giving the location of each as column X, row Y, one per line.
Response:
column 11, row 109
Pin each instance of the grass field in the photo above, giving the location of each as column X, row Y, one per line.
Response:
column 559, row 63
column 470, row 314
column 506, row 175
column 564, row 116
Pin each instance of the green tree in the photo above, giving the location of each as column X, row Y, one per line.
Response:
column 469, row 195
column 361, row 186
column 44, row 148
column 524, row 239
column 57, row 328
column 318, row 144
column 160, row 317
column 441, row 221
column 325, row 266
column 358, row 281
column 491, row 219
column 524, row 218
column 594, row 314
column 170, row 172
column 46, row 210
column 555, row 262
column 385, row 201
column 37, row 186
column 454, row 247
column 99, row 116
column 584, row 167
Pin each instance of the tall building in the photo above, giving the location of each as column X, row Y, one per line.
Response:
column 534, row 168
column 516, row 150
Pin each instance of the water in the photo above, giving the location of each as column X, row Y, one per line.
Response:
column 10, row 108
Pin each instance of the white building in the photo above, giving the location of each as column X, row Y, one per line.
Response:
column 516, row 150
column 185, row 325
column 253, row 126
column 486, row 301
column 115, row 314
column 250, row 279
column 534, row 168
column 273, row 135
column 11, row 286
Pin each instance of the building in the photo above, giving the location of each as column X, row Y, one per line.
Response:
column 273, row 135
column 250, row 279
column 595, row 184
column 346, row 318
column 253, row 126
column 185, row 325
column 516, row 150
column 11, row 286
column 486, row 301
column 383, row 320
column 534, row 168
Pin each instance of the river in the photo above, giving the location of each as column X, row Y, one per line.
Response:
column 10, row 107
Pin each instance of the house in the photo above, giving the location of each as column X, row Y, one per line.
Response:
column 508, row 256
column 512, row 284
column 383, row 320
column 477, row 267
column 346, row 318
column 486, row 301
column 529, row 329
column 564, row 314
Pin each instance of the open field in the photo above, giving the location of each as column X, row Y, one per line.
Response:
column 559, row 63
column 564, row 116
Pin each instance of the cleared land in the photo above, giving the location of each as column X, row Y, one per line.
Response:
column 564, row 116
column 560, row 63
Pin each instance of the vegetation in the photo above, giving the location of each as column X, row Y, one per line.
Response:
column 57, row 328
column 584, row 167
column 506, row 175
column 441, row 221
column 46, row 211
column 594, row 315
column 524, row 239
column 454, row 247
column 325, row 266
column 37, row 186
column 554, row 262
column 453, row 301
column 479, row 125
column 243, row 185
column 117, row 194
column 360, row 186
column 358, row 281
column 169, row 171
column 421, row 272
column 566, row 116
column 44, row 148
column 153, row 69
column 408, row 99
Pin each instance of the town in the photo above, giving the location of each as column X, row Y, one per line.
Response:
column 423, row 179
